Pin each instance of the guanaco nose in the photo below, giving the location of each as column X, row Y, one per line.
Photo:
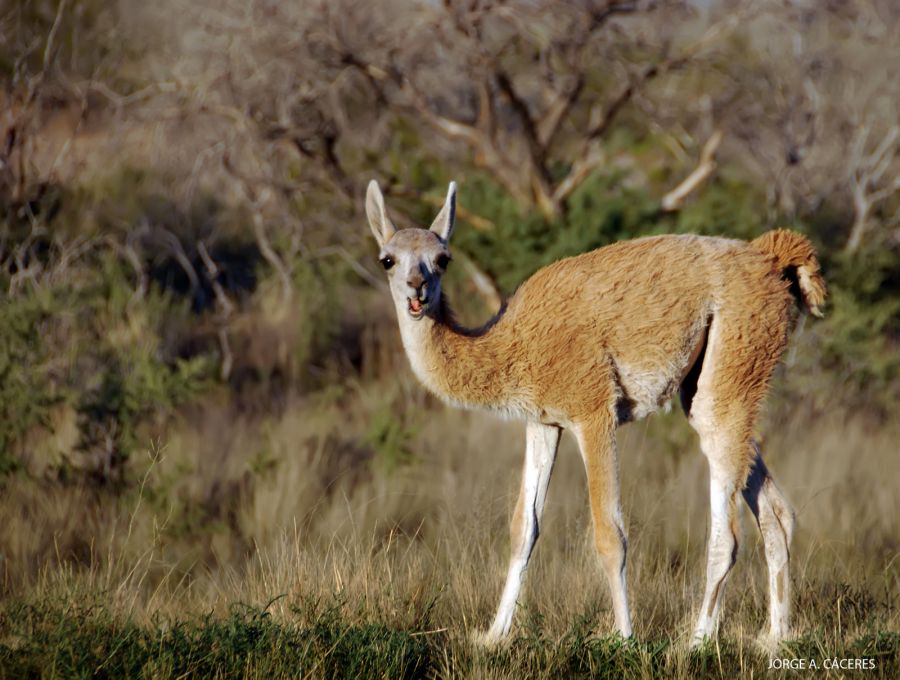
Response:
column 416, row 281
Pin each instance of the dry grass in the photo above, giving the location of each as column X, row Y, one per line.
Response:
column 284, row 511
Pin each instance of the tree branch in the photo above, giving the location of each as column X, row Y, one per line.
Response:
column 866, row 171
column 538, row 175
column 483, row 283
column 590, row 154
column 675, row 198
column 557, row 111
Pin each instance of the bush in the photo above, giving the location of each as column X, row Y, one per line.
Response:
column 27, row 392
column 93, row 345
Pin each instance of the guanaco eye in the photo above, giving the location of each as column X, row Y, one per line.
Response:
column 442, row 261
column 387, row 262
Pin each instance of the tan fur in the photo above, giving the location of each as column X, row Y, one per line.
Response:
column 622, row 321
column 790, row 249
column 609, row 336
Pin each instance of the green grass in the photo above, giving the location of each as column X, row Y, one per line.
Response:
column 57, row 638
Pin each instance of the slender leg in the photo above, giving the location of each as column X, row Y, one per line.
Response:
column 776, row 524
column 724, row 472
column 597, row 441
column 741, row 352
column 540, row 453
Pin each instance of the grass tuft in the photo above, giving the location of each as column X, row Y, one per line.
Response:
column 59, row 638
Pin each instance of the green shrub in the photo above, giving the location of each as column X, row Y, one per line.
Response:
column 27, row 391
column 861, row 333
column 726, row 207
column 90, row 342
column 391, row 432
column 602, row 210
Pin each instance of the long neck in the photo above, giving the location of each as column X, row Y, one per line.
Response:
column 459, row 364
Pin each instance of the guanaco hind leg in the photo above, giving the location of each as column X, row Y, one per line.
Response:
column 723, row 412
column 775, row 520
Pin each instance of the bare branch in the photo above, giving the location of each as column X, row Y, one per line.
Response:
column 479, row 222
column 483, row 283
column 590, row 154
column 256, row 198
column 487, row 119
column 363, row 273
column 487, row 155
column 268, row 252
column 48, row 48
column 227, row 356
column 674, row 199
column 557, row 111
column 584, row 165
column 865, row 174
column 538, row 174
column 212, row 275
column 600, row 16
column 173, row 244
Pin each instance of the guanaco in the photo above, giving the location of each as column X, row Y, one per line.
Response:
column 607, row 337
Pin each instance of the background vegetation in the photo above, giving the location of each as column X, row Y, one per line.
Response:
column 213, row 457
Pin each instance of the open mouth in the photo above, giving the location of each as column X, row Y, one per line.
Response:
column 416, row 308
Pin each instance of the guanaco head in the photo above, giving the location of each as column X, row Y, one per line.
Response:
column 415, row 259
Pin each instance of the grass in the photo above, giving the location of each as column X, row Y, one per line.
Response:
column 86, row 641
column 299, row 543
column 56, row 638
column 361, row 532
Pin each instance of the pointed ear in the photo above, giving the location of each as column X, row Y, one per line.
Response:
column 381, row 224
column 443, row 223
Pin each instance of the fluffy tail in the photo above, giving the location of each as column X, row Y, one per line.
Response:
column 796, row 258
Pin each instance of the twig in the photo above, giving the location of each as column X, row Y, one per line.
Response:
column 478, row 221
column 227, row 356
column 265, row 247
column 482, row 281
column 675, row 198
column 212, row 274
column 48, row 48
column 170, row 240
column 256, row 200
column 363, row 273
column 866, row 172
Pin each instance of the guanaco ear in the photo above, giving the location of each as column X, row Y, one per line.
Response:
column 379, row 221
column 443, row 223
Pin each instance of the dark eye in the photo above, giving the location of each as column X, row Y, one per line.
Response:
column 442, row 261
column 387, row 261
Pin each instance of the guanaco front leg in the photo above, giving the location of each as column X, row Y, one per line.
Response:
column 597, row 440
column 540, row 453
